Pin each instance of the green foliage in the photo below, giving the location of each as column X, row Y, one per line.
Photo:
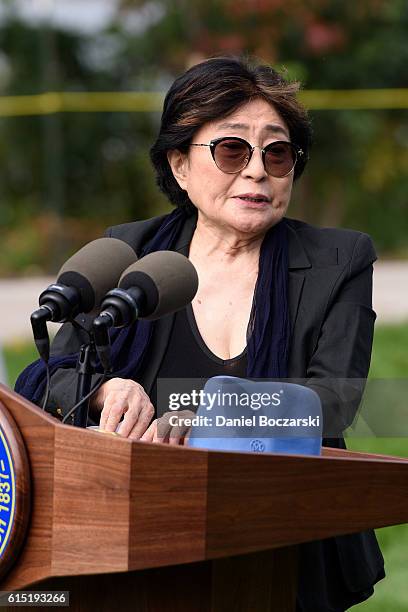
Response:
column 391, row 593
column 389, row 360
column 356, row 176
column 95, row 167
column 390, row 354
column 17, row 356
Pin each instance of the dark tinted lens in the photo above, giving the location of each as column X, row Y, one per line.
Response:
column 231, row 155
column 280, row 158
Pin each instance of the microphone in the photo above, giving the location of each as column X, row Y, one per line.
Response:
column 156, row 285
column 81, row 285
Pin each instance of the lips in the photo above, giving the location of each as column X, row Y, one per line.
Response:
column 253, row 197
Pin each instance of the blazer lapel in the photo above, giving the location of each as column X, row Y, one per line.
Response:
column 298, row 262
column 163, row 326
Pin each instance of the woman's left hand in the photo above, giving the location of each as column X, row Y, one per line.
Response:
column 170, row 428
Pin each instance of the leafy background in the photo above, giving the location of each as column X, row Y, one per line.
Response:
column 66, row 176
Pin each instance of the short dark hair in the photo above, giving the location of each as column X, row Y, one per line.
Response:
column 216, row 88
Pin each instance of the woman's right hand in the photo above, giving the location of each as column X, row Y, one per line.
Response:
column 123, row 397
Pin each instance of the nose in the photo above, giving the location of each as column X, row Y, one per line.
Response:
column 255, row 169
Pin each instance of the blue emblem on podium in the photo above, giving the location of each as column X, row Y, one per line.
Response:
column 7, row 493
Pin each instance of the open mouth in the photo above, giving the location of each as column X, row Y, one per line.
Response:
column 254, row 200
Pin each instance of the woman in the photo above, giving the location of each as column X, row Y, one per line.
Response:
column 277, row 297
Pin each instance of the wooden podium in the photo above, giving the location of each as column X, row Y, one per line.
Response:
column 136, row 526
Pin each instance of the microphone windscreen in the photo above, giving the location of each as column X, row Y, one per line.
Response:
column 168, row 280
column 95, row 269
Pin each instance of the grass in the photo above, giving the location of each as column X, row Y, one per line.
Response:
column 390, row 352
column 17, row 356
column 389, row 360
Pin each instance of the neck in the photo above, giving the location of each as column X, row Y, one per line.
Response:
column 209, row 239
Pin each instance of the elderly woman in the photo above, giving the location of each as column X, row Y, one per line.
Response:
column 277, row 297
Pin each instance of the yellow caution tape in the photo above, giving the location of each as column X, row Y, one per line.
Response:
column 81, row 102
column 94, row 102
column 354, row 99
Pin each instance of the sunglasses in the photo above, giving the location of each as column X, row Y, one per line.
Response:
column 232, row 154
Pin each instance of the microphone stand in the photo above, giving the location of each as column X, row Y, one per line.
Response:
column 85, row 368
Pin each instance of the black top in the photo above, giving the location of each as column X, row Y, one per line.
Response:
column 187, row 356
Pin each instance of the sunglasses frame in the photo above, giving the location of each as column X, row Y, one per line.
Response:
column 213, row 144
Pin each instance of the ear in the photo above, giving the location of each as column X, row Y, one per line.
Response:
column 179, row 165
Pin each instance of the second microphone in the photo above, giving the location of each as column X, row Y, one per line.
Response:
column 156, row 285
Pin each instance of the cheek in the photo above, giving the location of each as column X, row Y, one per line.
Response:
column 206, row 184
column 282, row 192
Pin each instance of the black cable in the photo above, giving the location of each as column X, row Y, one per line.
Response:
column 48, row 385
column 84, row 399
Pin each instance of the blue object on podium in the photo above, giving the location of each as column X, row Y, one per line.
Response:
column 242, row 415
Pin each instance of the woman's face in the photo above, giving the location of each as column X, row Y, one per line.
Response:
column 215, row 193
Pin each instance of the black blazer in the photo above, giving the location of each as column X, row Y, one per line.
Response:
column 330, row 305
column 332, row 322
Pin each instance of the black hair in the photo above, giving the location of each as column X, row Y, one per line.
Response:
column 213, row 89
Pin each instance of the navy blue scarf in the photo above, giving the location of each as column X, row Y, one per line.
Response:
column 268, row 330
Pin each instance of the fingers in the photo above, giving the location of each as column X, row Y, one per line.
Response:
column 161, row 431
column 106, row 398
column 155, row 434
column 158, row 431
column 161, row 435
column 183, row 430
column 116, row 404
column 125, row 398
column 173, row 427
column 128, row 410
column 114, row 408
column 177, row 434
column 150, row 432
column 137, row 418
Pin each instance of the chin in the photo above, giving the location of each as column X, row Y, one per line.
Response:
column 255, row 221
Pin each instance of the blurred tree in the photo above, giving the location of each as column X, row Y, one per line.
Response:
column 359, row 163
column 89, row 165
column 98, row 166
